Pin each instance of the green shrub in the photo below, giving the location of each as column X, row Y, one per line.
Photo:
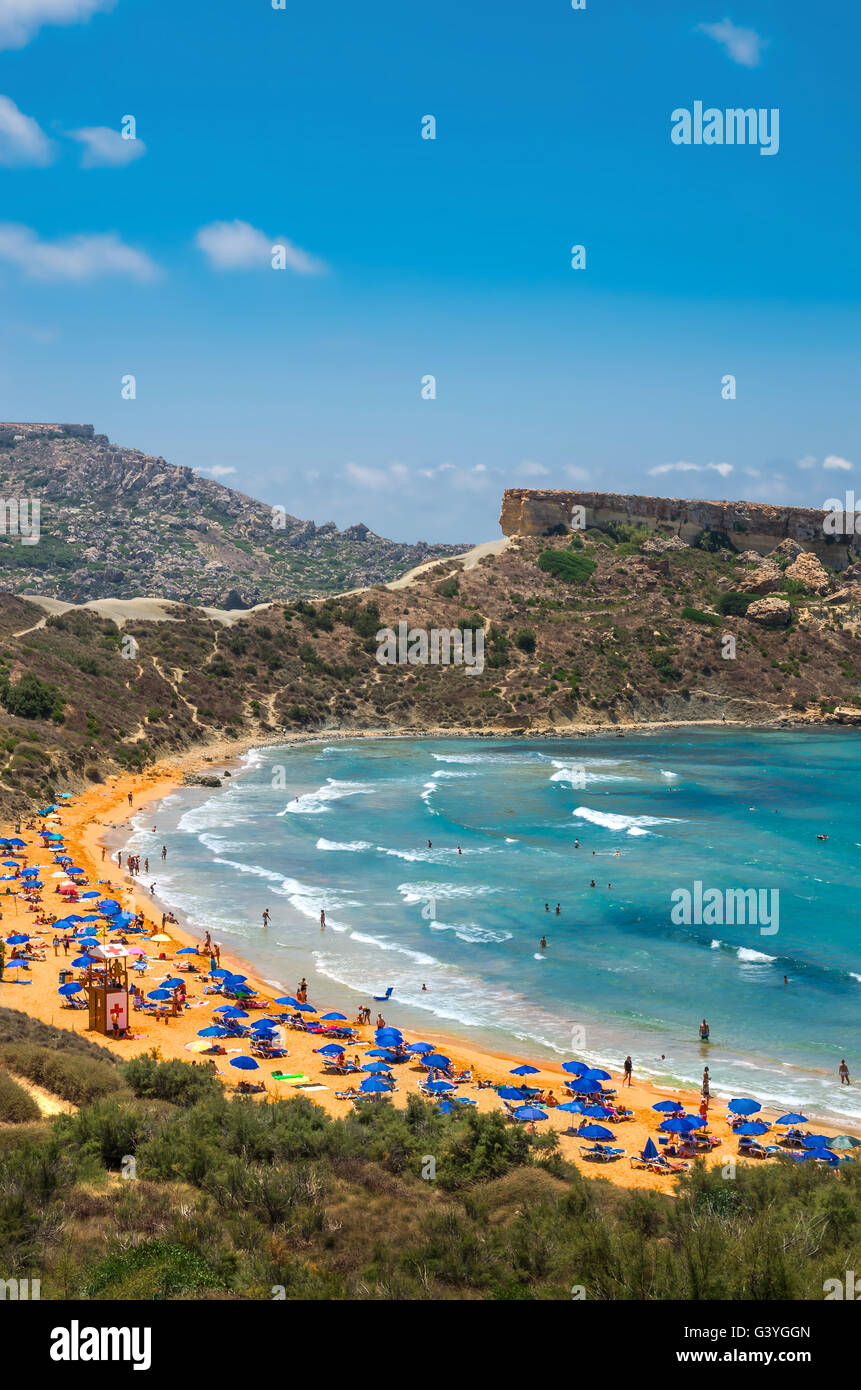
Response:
column 734, row 602
column 572, row 566
column 696, row 615
column 174, row 1081
column 32, row 698
column 449, row 588
column 525, row 640
column 74, row 1077
column 17, row 1106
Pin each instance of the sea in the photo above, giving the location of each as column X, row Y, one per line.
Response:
column 439, row 865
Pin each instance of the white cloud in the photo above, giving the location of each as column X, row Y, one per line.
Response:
column 532, row 470
column 577, row 474
column 20, row 20
column 723, row 468
column 808, row 461
column 744, row 46
column 106, row 148
column 85, row 256
column 217, row 470
column 834, row 461
column 375, row 478
column 237, row 245
column 23, row 143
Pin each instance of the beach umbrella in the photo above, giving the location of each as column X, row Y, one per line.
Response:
column 575, row 1068
column 572, row 1107
column 374, row 1085
column 420, row 1048
column 334, row 1018
column 388, row 1036
column 649, row 1151
column 330, row 1050
column 213, row 1031
column 437, row 1088
column 531, row 1112
column 158, row 937
column 80, row 961
column 244, row 1064
column 597, row 1112
column 136, row 951
column 680, row 1124
column 752, row 1127
column 585, row 1085
column 187, row 951
column 825, row 1154
column 595, row 1132
column 792, row 1118
column 220, row 973
column 21, row 844
column 816, row 1141
column 845, row 1141
column 306, row 1008
column 91, row 894
column 70, row 988
column 745, row 1106
column 436, row 1059
column 72, row 869
column 669, row 1106
column 379, row 1052
column 108, row 906
column 10, row 863
column 523, row 1071
column 16, row 940
column 159, row 994
column 377, row 1069
column 17, row 965
column 513, row 1093
column 597, row 1074
column 231, row 1011
column 286, row 999
column 29, row 873
column 199, row 1045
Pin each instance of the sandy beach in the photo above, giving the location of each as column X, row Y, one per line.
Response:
column 105, row 810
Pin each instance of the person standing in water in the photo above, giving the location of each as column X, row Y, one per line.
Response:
column 543, row 943
column 265, row 916
column 704, row 1031
column 843, row 1072
column 322, row 919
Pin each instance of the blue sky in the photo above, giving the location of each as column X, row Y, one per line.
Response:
column 409, row 257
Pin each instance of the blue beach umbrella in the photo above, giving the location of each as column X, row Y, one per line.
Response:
column 377, row 1069
column 10, row 863
column 793, row 1118
column 22, row 844
column 91, row 894
column 523, row 1071
column 374, row 1085
column 596, row 1132
column 744, row 1106
column 159, row 994
column 573, row 1107
column 649, row 1151
column 231, row 1011
column 513, row 1093
column 575, row 1068
column 212, row 1032
column 816, row 1141
column 70, row 988
column 244, row 1064
column 597, row 1112
column 752, row 1127
column 330, row 1050
column 80, row 961
column 436, row 1059
column 379, row 1052
column 16, row 940
column 585, row 1086
column 108, row 906
column 388, row 1036
column 285, row 998
column 597, row 1074
column 825, row 1154
column 420, row 1048
column 530, row 1112
column 334, row 1018
column 437, row 1088
column 680, row 1124
column 187, row 951
column 29, row 873
column 668, row 1106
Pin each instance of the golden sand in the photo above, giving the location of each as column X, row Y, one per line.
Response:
column 85, row 822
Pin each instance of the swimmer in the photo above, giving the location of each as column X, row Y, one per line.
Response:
column 543, row 943
column 558, row 909
column 576, row 844
column 592, row 881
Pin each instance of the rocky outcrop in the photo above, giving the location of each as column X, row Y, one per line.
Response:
column 767, row 578
column 745, row 525
column 770, row 612
column 788, row 549
column 656, row 545
column 808, row 570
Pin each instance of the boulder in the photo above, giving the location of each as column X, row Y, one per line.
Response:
column 809, row 570
column 656, row 545
column 770, row 612
column 750, row 557
column 767, row 578
column 789, row 549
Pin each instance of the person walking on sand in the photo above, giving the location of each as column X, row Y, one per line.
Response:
column 707, row 1087
column 103, row 854
column 843, row 1072
column 217, row 949
column 130, row 798
column 119, row 858
column 629, row 1067
column 56, row 945
column 65, row 945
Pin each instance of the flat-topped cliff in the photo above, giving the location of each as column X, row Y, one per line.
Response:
column 748, row 525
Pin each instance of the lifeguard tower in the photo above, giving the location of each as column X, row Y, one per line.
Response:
column 108, row 985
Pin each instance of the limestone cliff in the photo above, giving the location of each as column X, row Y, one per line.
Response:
column 750, row 525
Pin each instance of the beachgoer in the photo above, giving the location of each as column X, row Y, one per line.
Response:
column 152, row 888
column 217, row 949
column 65, row 945
column 322, row 918
column 164, row 852
column 146, row 865
column 265, row 916
column 629, row 1067
column 546, row 907
column 459, row 850
column 558, row 909
column 381, row 1022
column 56, row 945
column 704, row 1031
column 130, row 798
column 103, row 854
column 576, row 844
column 119, row 858
column 543, row 943
column 592, row 883
column 707, row 1081
column 843, row 1071
column 430, row 845
column 424, row 989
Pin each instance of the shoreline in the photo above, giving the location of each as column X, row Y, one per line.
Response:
column 104, row 811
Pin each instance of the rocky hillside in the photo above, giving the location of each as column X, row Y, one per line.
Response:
column 580, row 631
column 117, row 523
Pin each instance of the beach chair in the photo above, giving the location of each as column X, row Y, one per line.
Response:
column 381, row 998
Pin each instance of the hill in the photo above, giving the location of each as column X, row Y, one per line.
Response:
column 114, row 522
column 579, row 632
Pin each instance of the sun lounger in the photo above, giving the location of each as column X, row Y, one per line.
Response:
column 597, row 1154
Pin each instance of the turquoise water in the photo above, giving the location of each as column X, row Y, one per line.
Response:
column 344, row 827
